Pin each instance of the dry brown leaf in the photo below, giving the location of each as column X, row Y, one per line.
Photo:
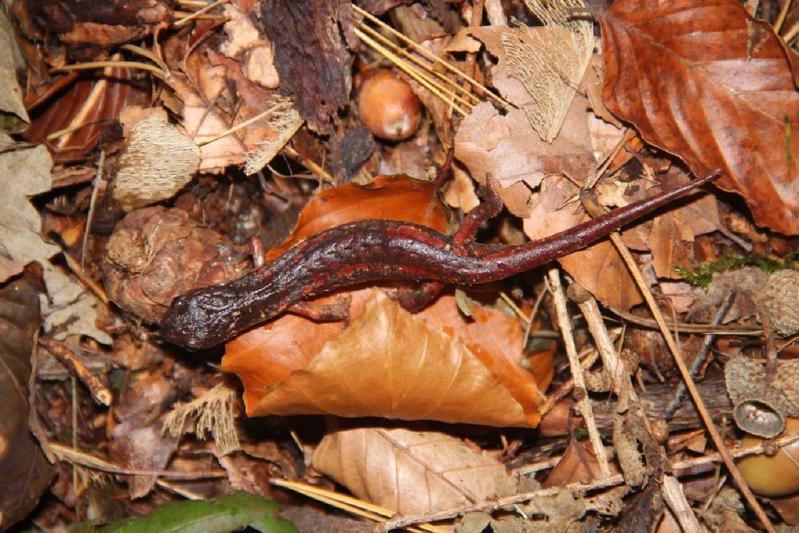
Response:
column 703, row 80
column 507, row 149
column 593, row 267
column 410, row 472
column 251, row 47
column 203, row 124
column 389, row 363
column 81, row 112
column 577, row 465
column 138, row 441
column 11, row 59
column 670, row 236
column 23, row 468
column 25, row 173
column 71, row 309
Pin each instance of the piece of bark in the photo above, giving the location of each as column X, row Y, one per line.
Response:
column 654, row 401
column 312, row 42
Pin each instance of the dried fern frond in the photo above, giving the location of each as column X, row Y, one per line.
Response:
column 284, row 121
column 210, row 414
column 550, row 61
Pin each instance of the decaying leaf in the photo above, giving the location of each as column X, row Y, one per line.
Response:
column 71, row 310
column 410, row 472
column 157, row 161
column 506, row 146
column 11, row 61
column 592, row 266
column 250, row 46
column 137, row 442
column 703, row 80
column 23, row 468
column 550, row 61
column 508, row 150
column 284, row 123
column 81, row 113
column 577, row 465
column 24, row 173
column 561, row 511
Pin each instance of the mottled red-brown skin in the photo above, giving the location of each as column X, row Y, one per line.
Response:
column 372, row 251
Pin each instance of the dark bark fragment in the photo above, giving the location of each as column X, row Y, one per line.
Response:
column 312, row 39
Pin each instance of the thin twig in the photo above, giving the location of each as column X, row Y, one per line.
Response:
column 71, row 455
column 401, row 51
column 93, row 65
column 199, row 12
column 685, row 327
column 244, row 124
column 315, row 169
column 786, row 4
column 432, row 57
column 675, row 498
column 98, row 179
column 344, row 502
column 582, row 402
column 430, row 85
column 69, row 359
column 85, row 279
column 593, row 317
column 696, row 364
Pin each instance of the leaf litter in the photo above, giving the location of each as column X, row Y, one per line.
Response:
column 203, row 141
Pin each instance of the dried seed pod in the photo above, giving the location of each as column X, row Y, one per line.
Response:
column 762, row 405
column 158, row 161
column 759, row 417
column 157, row 254
column 777, row 475
column 780, row 302
column 388, row 106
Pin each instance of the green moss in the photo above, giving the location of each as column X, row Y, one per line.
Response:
column 702, row 274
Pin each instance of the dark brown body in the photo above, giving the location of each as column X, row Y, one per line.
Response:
column 373, row 251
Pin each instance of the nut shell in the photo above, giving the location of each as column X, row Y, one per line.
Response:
column 773, row 476
column 388, row 106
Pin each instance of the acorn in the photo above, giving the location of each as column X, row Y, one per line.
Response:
column 388, row 106
column 777, row 475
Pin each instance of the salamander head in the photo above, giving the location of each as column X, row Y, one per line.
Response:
column 200, row 319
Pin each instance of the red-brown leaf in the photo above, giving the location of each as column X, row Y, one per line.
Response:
column 708, row 83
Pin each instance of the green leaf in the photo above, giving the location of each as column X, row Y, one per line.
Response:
column 229, row 513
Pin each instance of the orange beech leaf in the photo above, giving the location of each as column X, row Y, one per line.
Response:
column 706, row 82
column 385, row 197
column 410, row 472
column 392, row 364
